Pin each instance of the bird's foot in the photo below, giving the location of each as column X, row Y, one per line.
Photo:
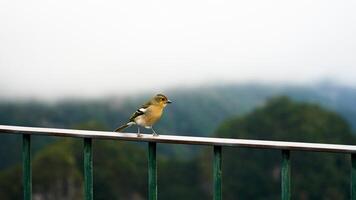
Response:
column 153, row 131
column 138, row 132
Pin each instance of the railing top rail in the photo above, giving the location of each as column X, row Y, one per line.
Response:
column 174, row 139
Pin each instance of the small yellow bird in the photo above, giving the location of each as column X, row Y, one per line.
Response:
column 148, row 114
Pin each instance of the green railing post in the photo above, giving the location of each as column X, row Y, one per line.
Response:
column 353, row 176
column 152, row 171
column 217, row 173
column 26, row 167
column 285, row 175
column 88, row 169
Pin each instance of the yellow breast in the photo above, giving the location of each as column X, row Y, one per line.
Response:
column 151, row 116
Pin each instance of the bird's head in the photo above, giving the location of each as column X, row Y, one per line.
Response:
column 161, row 100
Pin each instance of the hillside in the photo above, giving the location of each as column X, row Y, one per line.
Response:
column 120, row 168
column 195, row 111
column 314, row 175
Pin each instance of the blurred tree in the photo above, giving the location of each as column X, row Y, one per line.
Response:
column 208, row 106
column 180, row 179
column 120, row 167
column 255, row 174
column 10, row 183
column 56, row 175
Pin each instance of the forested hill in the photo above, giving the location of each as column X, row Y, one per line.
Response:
column 120, row 168
column 314, row 175
column 195, row 111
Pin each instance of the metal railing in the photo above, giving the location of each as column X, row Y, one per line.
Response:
column 217, row 144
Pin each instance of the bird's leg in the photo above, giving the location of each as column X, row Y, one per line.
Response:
column 154, row 132
column 138, row 131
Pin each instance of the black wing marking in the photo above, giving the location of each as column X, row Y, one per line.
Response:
column 139, row 111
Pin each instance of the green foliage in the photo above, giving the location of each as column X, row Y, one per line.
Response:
column 195, row 111
column 10, row 150
column 10, row 183
column 56, row 175
column 114, row 162
column 178, row 179
column 120, row 168
column 314, row 175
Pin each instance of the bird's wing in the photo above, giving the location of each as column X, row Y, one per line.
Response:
column 140, row 111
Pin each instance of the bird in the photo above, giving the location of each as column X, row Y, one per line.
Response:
column 148, row 114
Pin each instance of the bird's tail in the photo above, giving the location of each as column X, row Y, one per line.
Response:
column 123, row 127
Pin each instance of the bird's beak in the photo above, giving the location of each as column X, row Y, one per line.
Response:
column 169, row 101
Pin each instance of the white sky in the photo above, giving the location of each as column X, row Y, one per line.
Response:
column 92, row 48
